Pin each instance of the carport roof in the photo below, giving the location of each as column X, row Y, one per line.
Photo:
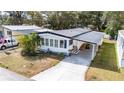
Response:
column 21, row 27
column 91, row 37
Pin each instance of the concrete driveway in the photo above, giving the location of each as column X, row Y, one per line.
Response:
column 7, row 75
column 71, row 68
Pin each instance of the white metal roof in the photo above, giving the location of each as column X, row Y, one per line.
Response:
column 25, row 29
column 71, row 32
column 80, row 34
column 21, row 27
column 26, row 32
column 91, row 37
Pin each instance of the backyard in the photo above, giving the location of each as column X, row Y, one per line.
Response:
column 27, row 66
column 104, row 66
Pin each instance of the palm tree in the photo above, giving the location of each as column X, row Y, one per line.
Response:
column 30, row 43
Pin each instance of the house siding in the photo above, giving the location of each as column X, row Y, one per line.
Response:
column 120, row 49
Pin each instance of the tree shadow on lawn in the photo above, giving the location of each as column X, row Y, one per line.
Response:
column 106, row 58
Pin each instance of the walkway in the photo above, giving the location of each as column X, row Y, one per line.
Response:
column 72, row 68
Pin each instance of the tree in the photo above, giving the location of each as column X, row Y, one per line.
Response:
column 71, row 19
column 36, row 18
column 62, row 20
column 91, row 18
column 29, row 43
column 114, row 22
column 15, row 18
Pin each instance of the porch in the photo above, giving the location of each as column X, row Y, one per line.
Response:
column 85, row 50
column 84, row 56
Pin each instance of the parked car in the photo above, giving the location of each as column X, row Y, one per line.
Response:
column 8, row 42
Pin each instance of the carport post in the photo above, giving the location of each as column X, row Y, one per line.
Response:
column 93, row 51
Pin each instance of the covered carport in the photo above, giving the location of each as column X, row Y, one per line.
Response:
column 93, row 38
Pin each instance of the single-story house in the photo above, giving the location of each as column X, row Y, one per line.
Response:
column 120, row 48
column 68, row 41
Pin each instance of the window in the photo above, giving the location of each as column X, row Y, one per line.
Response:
column 47, row 42
column 65, row 43
column 56, row 43
column 9, row 33
column 61, row 43
column 51, row 42
column 42, row 41
column 70, row 42
column 1, row 34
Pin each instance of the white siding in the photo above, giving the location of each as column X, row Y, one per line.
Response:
column 77, row 43
column 5, row 32
column 120, row 50
column 55, row 37
column 94, row 50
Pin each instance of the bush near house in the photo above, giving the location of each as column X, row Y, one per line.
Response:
column 29, row 44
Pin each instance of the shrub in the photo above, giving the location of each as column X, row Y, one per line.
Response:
column 29, row 44
column 61, row 54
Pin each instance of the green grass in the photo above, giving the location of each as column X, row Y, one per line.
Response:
column 106, row 57
column 105, row 66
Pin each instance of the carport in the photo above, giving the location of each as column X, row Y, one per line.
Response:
column 93, row 38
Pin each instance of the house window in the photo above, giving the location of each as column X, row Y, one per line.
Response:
column 47, row 42
column 51, row 42
column 56, row 43
column 9, row 33
column 65, row 43
column 1, row 34
column 61, row 44
column 42, row 41
column 70, row 42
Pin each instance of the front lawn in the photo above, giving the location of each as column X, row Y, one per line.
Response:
column 27, row 66
column 104, row 66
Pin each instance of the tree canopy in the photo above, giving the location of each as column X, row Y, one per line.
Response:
column 107, row 21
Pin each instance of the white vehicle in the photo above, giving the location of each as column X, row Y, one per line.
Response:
column 8, row 42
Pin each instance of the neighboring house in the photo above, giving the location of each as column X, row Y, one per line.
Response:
column 120, row 48
column 68, row 41
column 17, row 30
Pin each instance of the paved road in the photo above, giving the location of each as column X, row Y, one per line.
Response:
column 70, row 69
